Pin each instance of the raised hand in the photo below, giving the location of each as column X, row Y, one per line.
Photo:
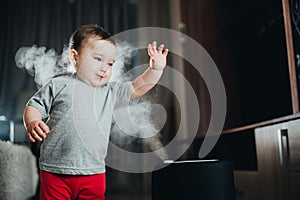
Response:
column 158, row 56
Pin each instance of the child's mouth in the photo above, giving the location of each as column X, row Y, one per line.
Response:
column 100, row 76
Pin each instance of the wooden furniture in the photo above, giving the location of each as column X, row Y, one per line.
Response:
column 252, row 43
column 278, row 164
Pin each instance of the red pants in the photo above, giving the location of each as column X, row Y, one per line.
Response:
column 67, row 187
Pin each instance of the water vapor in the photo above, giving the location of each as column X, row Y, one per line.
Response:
column 43, row 64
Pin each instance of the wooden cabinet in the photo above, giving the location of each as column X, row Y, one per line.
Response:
column 294, row 159
column 278, row 158
column 293, row 133
column 272, row 168
column 252, row 44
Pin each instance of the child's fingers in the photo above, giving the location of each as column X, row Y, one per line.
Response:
column 44, row 127
column 154, row 47
column 36, row 136
column 165, row 53
column 30, row 137
column 150, row 50
column 160, row 48
column 40, row 132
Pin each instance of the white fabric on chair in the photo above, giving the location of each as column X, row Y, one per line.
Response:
column 18, row 172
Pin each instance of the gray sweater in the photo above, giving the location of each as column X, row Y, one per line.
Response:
column 79, row 117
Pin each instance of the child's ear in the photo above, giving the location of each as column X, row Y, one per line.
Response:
column 73, row 56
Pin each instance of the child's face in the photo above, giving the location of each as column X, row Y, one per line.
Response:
column 94, row 62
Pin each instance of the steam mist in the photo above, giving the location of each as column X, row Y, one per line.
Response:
column 45, row 64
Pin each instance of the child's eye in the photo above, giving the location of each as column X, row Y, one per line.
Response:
column 110, row 64
column 98, row 59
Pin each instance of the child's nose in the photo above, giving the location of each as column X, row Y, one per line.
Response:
column 104, row 67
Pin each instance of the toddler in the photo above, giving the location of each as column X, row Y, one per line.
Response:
column 61, row 115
